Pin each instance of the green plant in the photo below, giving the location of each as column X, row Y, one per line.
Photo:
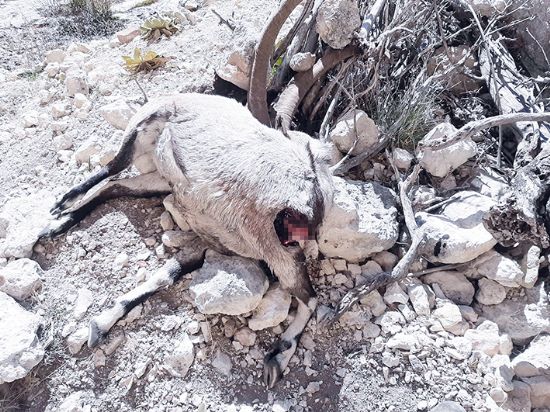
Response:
column 152, row 29
column 144, row 62
column 407, row 114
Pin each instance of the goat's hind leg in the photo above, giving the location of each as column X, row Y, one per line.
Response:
column 184, row 262
column 122, row 160
column 147, row 185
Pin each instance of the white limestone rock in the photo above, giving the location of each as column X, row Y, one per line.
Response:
column 441, row 162
column 76, row 82
column 402, row 158
column 488, row 8
column 20, row 349
column 55, row 56
column 448, row 314
column 352, row 125
column 394, row 294
column 420, row 299
column 83, row 301
column 128, row 34
column 361, row 222
column 487, row 339
column 457, row 233
column 180, row 360
column 272, row 310
column 20, row 278
column 454, row 285
column 497, row 267
column 237, row 66
column 222, row 362
column 245, row 336
column 490, row 292
column 374, row 302
column 21, row 221
column 336, row 22
column 231, row 285
column 177, row 238
column 540, row 391
column 77, row 339
column 535, row 360
column 171, row 207
column 117, row 114
column 302, row 62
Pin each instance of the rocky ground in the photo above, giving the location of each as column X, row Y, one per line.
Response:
column 472, row 337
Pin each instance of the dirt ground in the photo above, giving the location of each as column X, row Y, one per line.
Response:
column 125, row 373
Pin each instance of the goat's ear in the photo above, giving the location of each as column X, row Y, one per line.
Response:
column 322, row 152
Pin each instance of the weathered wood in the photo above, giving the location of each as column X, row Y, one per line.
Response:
column 513, row 93
column 516, row 218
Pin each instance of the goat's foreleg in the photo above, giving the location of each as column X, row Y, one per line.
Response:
column 277, row 360
column 184, row 262
column 294, row 277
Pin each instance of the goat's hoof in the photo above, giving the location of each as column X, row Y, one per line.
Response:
column 94, row 335
column 272, row 371
column 57, row 208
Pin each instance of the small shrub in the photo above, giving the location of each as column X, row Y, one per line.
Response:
column 143, row 62
column 407, row 114
column 82, row 17
column 153, row 28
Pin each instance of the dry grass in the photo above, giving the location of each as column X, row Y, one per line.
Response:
column 405, row 115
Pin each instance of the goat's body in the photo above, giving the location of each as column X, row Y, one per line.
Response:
column 230, row 176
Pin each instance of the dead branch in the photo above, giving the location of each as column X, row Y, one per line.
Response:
column 296, row 90
column 368, row 22
column 257, row 92
column 473, row 127
column 279, row 51
column 296, row 45
column 324, row 129
column 516, row 218
column 401, row 270
column 228, row 23
column 348, row 163
column 145, row 99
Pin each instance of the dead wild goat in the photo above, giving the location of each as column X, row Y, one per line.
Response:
column 243, row 188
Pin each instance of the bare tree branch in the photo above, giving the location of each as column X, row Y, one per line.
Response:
column 471, row 128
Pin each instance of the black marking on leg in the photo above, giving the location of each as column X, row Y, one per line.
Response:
column 272, row 367
column 115, row 191
column 121, row 161
column 268, row 272
column 183, row 268
column 80, row 189
column 95, row 335
column 128, row 305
